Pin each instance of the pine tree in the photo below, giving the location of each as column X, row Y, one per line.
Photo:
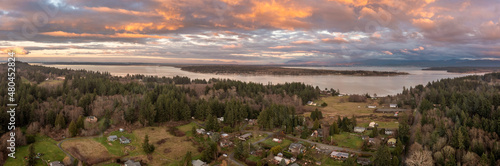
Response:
column 31, row 156
column 316, row 125
column 80, row 122
column 187, row 159
column 382, row 156
column 73, row 130
column 148, row 148
column 60, row 121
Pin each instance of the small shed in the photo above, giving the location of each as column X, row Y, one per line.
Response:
column 124, row 140
column 132, row 163
column 112, row 138
column 91, row 119
column 359, row 129
column 244, row 137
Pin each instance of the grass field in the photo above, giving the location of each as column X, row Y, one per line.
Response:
column 51, row 83
column 348, row 140
column 171, row 151
column 187, row 128
column 284, row 144
column 336, row 107
column 115, row 148
column 87, row 149
column 327, row 161
column 44, row 145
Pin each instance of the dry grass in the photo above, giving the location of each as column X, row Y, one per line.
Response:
column 176, row 146
column 51, row 83
column 341, row 106
column 87, row 150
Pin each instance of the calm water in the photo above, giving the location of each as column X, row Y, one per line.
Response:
column 381, row 85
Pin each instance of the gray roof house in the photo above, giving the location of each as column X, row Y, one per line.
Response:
column 359, row 129
column 56, row 163
column 124, row 140
column 198, row 163
column 296, row 148
column 112, row 138
column 132, row 163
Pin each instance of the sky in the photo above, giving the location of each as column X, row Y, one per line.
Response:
column 250, row 31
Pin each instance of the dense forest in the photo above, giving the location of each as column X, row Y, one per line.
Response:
column 457, row 121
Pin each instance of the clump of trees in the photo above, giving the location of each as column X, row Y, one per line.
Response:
column 357, row 98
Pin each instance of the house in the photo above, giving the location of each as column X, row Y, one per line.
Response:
column 393, row 106
column 278, row 159
column 200, row 131
column 252, row 122
column 359, row 129
column 372, row 106
column 56, row 163
column 112, row 138
column 339, row 155
column 225, row 143
column 280, row 154
column 124, row 140
column 372, row 140
column 372, row 124
column 91, row 119
column 277, row 140
column 122, row 130
column 363, row 161
column 198, row 163
column 392, row 142
column 296, row 148
column 132, row 163
column 224, row 135
column 311, row 103
column 221, row 119
column 388, row 132
column 244, row 137
column 295, row 164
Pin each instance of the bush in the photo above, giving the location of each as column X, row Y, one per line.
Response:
column 357, row 98
column 30, row 139
column 324, row 104
column 227, row 129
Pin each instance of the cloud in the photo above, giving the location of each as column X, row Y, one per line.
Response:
column 299, row 42
column 337, row 40
column 117, row 35
column 281, row 47
column 387, row 52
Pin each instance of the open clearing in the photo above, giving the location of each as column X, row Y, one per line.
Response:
column 87, row 150
column 45, row 145
column 341, row 106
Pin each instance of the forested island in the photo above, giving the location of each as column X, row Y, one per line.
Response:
column 274, row 70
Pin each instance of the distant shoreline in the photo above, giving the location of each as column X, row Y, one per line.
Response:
column 465, row 70
column 274, row 70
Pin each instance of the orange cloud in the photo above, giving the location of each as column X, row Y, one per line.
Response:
column 353, row 2
column 419, row 48
column 334, row 40
column 281, row 47
column 231, row 46
column 17, row 50
column 137, row 27
column 279, row 14
column 302, row 42
column 116, row 35
column 424, row 23
column 387, row 52
column 119, row 11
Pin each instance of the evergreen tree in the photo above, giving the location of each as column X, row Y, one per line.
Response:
column 73, row 130
column 239, row 151
column 187, row 159
column 80, row 123
column 382, row 156
column 316, row 125
column 60, row 121
column 31, row 156
column 148, row 148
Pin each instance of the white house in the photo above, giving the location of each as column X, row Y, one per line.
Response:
column 393, row 105
column 372, row 106
column 372, row 124
column 359, row 129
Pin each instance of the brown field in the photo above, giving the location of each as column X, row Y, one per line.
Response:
column 339, row 106
column 51, row 83
column 87, row 150
column 167, row 151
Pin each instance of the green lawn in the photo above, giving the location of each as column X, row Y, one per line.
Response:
column 348, row 140
column 327, row 161
column 44, row 145
column 255, row 138
column 254, row 158
column 284, row 144
column 187, row 128
column 115, row 148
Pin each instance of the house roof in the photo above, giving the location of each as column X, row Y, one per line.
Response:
column 113, row 136
column 132, row 163
column 56, row 163
column 246, row 135
column 198, row 163
column 295, row 146
column 339, row 154
column 392, row 140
